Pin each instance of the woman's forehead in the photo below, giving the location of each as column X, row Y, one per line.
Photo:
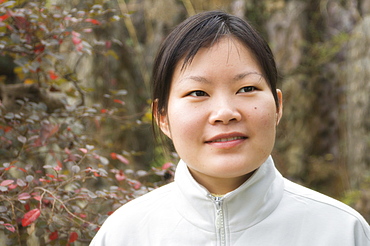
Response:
column 227, row 51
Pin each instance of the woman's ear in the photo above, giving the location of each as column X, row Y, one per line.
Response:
column 279, row 111
column 161, row 119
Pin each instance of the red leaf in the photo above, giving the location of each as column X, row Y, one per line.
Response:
column 59, row 164
column 54, row 129
column 47, row 130
column 79, row 47
column 82, row 215
column 135, row 184
column 24, row 196
column 75, row 34
column 4, row 17
column 53, row 235
column 30, row 216
column 83, row 150
column 119, row 157
column 39, row 48
column 167, row 165
column 88, row 30
column 73, row 237
column 93, row 21
column 37, row 198
column 22, row 169
column 119, row 101
column 8, row 168
column 67, row 151
column 52, row 75
column 123, row 159
column 21, row 22
column 9, row 227
column 10, row 27
column 6, row 128
column 120, row 176
column 12, row 186
column 7, row 182
column 57, row 168
column 44, row 180
column 113, row 155
column 76, row 40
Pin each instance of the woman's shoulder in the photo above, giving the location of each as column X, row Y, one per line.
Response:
column 151, row 200
column 136, row 216
column 313, row 197
column 320, row 205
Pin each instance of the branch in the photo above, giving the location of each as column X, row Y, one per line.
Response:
column 65, row 207
column 17, row 51
column 75, row 83
column 14, row 216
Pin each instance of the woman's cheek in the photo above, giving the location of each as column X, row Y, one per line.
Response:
column 266, row 114
column 181, row 121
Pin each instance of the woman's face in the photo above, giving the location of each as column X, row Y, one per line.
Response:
column 221, row 115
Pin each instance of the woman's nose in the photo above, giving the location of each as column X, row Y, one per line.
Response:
column 224, row 113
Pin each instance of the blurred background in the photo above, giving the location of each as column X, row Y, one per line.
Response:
column 92, row 60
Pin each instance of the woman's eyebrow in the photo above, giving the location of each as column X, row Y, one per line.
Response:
column 243, row 75
column 195, row 78
column 236, row 77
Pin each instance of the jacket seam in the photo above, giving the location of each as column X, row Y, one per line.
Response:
column 358, row 219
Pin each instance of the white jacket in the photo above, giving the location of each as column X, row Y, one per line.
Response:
column 267, row 210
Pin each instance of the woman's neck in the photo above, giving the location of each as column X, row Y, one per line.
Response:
column 219, row 186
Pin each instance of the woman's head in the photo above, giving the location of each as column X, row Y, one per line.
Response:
column 215, row 97
column 203, row 30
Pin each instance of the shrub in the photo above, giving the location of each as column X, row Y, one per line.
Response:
column 53, row 180
column 58, row 181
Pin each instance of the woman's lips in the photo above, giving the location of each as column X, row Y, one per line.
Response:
column 227, row 141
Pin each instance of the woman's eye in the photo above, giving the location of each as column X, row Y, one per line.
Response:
column 247, row 89
column 198, row 94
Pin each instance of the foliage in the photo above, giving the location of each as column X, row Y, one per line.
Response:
column 41, row 37
column 57, row 182
column 51, row 176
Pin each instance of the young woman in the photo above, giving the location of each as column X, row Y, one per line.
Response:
column 215, row 97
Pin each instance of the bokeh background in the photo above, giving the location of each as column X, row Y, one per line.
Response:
column 322, row 49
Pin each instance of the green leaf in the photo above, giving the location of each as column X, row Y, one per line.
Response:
column 8, row 4
column 9, row 116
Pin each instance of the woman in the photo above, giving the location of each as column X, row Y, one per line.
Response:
column 215, row 97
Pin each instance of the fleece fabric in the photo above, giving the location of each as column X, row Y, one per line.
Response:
column 267, row 210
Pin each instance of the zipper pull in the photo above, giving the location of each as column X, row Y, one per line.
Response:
column 219, row 213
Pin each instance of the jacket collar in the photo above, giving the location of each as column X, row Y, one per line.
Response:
column 244, row 207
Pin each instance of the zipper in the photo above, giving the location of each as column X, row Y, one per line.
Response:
column 219, row 221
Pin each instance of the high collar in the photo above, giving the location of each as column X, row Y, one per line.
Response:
column 244, row 207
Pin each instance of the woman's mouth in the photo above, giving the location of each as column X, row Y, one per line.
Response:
column 226, row 139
